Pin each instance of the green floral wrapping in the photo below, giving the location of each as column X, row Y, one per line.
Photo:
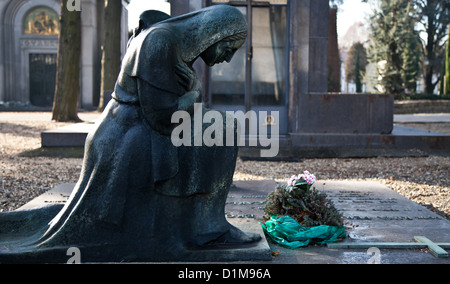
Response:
column 287, row 232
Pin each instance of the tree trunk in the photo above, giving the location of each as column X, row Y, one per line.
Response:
column 65, row 105
column 110, row 49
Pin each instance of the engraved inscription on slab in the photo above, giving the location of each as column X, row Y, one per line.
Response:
column 368, row 205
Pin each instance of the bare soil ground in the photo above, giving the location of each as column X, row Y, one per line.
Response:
column 425, row 180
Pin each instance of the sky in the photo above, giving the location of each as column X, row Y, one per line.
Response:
column 350, row 11
column 136, row 7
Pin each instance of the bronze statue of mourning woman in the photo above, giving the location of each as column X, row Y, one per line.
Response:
column 140, row 198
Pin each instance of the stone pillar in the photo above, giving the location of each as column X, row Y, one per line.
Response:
column 318, row 46
column 124, row 29
column 180, row 7
column 334, row 60
column 88, row 51
column 92, row 25
column 308, row 55
column 2, row 50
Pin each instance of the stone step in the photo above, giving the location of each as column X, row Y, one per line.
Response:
column 404, row 141
column 68, row 136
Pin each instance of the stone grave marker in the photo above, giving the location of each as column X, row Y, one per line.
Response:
column 379, row 217
column 246, row 199
column 374, row 216
column 377, row 213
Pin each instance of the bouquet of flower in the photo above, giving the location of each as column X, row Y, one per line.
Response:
column 302, row 202
column 301, row 181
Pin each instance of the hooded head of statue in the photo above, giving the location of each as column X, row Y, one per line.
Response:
column 214, row 33
column 215, row 28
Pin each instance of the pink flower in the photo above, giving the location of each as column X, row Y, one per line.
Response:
column 292, row 180
column 306, row 176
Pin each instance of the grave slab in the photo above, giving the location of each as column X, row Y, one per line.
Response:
column 57, row 195
column 372, row 213
column 259, row 251
column 375, row 213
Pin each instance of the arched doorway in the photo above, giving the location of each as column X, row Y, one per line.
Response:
column 29, row 28
column 41, row 22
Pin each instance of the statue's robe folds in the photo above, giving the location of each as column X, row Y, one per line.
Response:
column 138, row 197
column 136, row 188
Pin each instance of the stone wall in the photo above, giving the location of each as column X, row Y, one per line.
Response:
column 345, row 113
column 422, row 106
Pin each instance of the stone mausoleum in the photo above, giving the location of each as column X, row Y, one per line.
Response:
column 29, row 44
column 284, row 67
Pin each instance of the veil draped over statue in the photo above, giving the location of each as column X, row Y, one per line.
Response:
column 138, row 195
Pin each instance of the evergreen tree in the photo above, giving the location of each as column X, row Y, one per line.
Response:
column 355, row 65
column 410, row 45
column 358, row 73
column 433, row 19
column 394, row 46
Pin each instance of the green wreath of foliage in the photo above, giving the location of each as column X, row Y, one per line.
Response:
column 304, row 203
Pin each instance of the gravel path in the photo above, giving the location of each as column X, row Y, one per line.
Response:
column 425, row 180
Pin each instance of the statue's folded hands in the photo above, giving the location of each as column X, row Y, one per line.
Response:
column 139, row 197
